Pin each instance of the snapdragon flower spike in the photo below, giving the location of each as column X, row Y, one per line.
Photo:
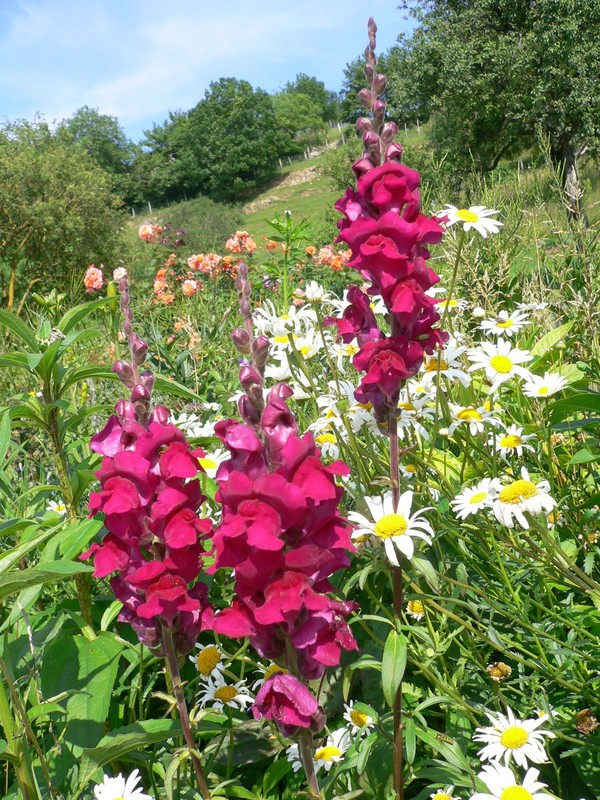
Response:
column 389, row 238
column 150, row 497
column 282, row 533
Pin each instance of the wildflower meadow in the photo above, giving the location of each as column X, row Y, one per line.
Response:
column 288, row 519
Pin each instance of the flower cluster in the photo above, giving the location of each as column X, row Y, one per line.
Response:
column 94, row 278
column 388, row 238
column 150, row 232
column 328, row 257
column 282, row 533
column 240, row 242
column 150, row 498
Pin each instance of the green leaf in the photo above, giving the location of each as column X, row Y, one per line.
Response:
column 80, row 312
column 13, row 556
column 275, row 772
column 583, row 456
column 4, row 434
column 586, row 402
column 167, row 386
column 24, row 332
column 426, row 569
column 548, row 341
column 75, row 537
column 121, row 741
column 84, row 374
column 410, row 739
column 393, row 664
column 85, row 670
column 16, row 580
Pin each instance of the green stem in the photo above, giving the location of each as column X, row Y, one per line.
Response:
column 173, row 668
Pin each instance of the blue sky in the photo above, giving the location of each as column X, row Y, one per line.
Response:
column 139, row 60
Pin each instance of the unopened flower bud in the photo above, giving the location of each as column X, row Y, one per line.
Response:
column 249, row 414
column 260, row 350
column 125, row 410
column 140, row 392
column 394, row 152
column 147, row 378
column 241, row 340
column 368, row 69
column 366, row 98
column 362, row 166
column 245, row 308
column 379, row 82
column 160, row 414
column 379, row 110
column 388, row 131
column 370, row 139
column 125, row 372
column 139, row 350
column 364, row 124
column 249, row 377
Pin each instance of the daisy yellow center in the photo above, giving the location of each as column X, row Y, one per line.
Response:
column 325, row 438
column 280, row 339
column 441, row 796
column 515, row 793
column 208, row 659
column 410, row 468
column 327, row 753
column 391, row 525
column 514, row 737
column 366, row 406
column 358, row 718
column 406, row 407
column 469, row 414
column 415, row 607
column 501, row 364
column 517, row 492
column 505, row 323
column 305, row 349
column 207, row 463
column 466, row 216
column 477, row 498
column 432, row 365
column 351, row 349
column 60, row 507
column 226, row 693
column 511, row 440
column 275, row 669
column 330, row 413
column 543, row 390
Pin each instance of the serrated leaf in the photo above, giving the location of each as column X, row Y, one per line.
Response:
column 393, row 665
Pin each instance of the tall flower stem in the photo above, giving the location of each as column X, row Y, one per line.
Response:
column 452, row 285
column 398, row 598
column 173, row 667
column 305, row 749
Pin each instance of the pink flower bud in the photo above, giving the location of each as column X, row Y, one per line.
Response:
column 366, row 98
column 140, row 392
column 394, row 152
column 364, row 124
column 139, row 349
column 379, row 82
column 241, row 340
column 125, row 372
column 388, row 131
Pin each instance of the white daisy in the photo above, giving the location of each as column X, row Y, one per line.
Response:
column 57, row 506
column 412, row 412
column 520, row 497
column 471, row 500
column 550, row 384
column 327, row 443
column 342, row 352
column 120, row 789
column 293, row 756
column 454, row 304
column 503, row 785
column 447, row 363
column 267, row 672
column 218, row 694
column 315, row 293
column 500, row 361
column 268, row 321
column 511, row 737
column 415, row 609
column 394, row 526
column 474, row 418
column 208, row 660
column 512, row 441
column 505, row 324
column 333, row 750
column 359, row 722
column 192, row 425
column 444, row 794
column 210, row 462
column 476, row 217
